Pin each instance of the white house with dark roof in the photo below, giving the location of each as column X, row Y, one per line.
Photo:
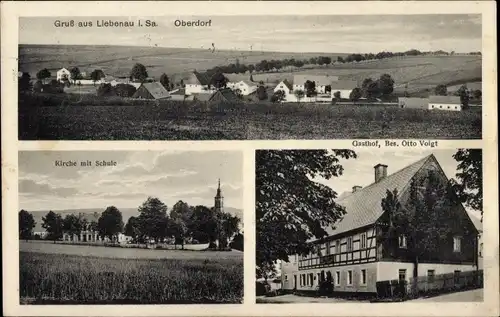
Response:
column 323, row 82
column 344, row 87
column 449, row 103
column 353, row 259
column 245, row 86
column 62, row 74
column 198, row 83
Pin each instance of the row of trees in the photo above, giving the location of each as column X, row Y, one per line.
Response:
column 291, row 208
column 197, row 224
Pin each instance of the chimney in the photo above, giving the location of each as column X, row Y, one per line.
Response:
column 356, row 188
column 380, row 172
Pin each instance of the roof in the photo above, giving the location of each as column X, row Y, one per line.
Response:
column 286, row 83
column 227, row 95
column 197, row 79
column 249, row 83
column 180, row 91
column 344, row 84
column 475, row 220
column 413, row 101
column 320, row 80
column 202, row 97
column 233, row 78
column 445, row 99
column 156, row 90
column 363, row 207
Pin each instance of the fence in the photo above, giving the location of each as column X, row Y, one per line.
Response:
column 430, row 285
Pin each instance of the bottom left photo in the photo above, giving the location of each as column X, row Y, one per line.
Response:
column 130, row 227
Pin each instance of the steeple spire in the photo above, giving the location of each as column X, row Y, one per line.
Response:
column 219, row 205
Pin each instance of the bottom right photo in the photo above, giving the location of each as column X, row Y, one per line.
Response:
column 339, row 225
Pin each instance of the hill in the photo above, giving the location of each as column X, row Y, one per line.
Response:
column 89, row 212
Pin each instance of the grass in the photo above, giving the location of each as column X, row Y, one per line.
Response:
column 91, row 118
column 72, row 279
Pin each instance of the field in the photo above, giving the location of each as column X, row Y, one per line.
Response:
column 139, row 120
column 418, row 73
column 127, row 276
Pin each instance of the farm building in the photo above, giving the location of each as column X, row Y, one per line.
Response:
column 344, row 87
column 224, row 95
column 286, row 86
column 450, row 103
column 245, row 87
column 414, row 103
column 323, row 83
column 62, row 74
column 198, row 83
column 353, row 259
column 151, row 91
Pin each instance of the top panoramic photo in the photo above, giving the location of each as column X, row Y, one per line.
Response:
column 259, row 77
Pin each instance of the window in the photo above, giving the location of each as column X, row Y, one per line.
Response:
column 363, row 277
column 349, row 244
column 337, row 278
column 363, row 240
column 448, row 107
column 432, row 106
column 349, row 277
column 311, row 279
column 457, row 244
column 327, row 248
column 286, row 277
column 430, row 276
column 402, row 241
column 402, row 275
column 456, row 277
column 337, row 246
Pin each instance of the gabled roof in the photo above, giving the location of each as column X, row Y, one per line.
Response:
column 286, row 83
column 225, row 94
column 249, row 83
column 156, row 90
column 202, row 97
column 363, row 207
column 343, row 84
column 198, row 79
column 321, row 80
column 445, row 100
column 413, row 101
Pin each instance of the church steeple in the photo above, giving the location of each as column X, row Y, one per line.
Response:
column 219, row 200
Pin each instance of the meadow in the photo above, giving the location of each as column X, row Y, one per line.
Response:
column 121, row 276
column 411, row 73
column 113, row 119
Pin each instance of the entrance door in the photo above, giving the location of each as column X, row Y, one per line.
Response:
column 295, row 282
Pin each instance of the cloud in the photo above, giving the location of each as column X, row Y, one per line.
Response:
column 30, row 187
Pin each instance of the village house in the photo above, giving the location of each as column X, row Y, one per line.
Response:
column 198, row 83
column 323, row 83
column 450, row 103
column 63, row 74
column 354, row 259
column 245, row 87
column 225, row 95
column 344, row 87
column 286, row 86
column 151, row 91
column 413, row 103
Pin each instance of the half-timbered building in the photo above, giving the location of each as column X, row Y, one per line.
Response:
column 353, row 259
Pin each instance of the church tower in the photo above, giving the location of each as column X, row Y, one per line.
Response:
column 219, row 200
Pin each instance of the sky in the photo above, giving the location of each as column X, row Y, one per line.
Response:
column 169, row 176
column 322, row 33
column 360, row 171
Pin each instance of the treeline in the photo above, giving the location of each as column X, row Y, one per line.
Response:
column 183, row 224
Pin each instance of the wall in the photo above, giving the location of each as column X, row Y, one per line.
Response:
column 319, row 89
column 390, row 270
column 356, row 286
column 449, row 107
column 288, row 270
column 197, row 89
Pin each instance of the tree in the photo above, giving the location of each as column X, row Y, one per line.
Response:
column 24, row 82
column 53, row 224
column 310, row 87
column 218, row 80
column 355, row 94
column 139, row 73
column 152, row 219
column 228, row 226
column 75, row 73
column 26, row 225
column 469, row 183
column 299, row 94
column 124, row 90
column 110, row 222
column 179, row 230
column 278, row 96
column 106, row 89
column 238, row 93
column 165, row 81
column 43, row 74
column 463, row 92
column 291, row 208
column 385, row 84
column 370, row 88
column 262, row 93
column 441, row 90
column 72, row 225
column 97, row 75
column 424, row 219
column 477, row 94
column 181, row 215
column 238, row 242
column 132, row 228
column 340, row 59
column 337, row 95
column 203, row 225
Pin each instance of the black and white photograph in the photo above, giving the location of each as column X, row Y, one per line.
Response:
column 250, row 77
column 130, row 227
column 337, row 226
